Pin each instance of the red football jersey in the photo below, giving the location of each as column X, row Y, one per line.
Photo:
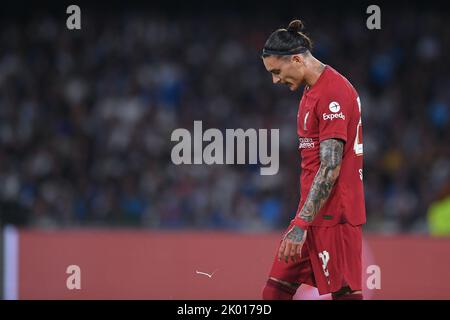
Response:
column 330, row 109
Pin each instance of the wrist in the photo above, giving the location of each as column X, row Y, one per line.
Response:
column 301, row 223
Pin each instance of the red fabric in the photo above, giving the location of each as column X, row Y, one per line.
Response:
column 277, row 291
column 339, row 246
column 302, row 224
column 352, row 296
column 331, row 109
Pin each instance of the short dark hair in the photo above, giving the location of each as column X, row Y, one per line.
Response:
column 288, row 41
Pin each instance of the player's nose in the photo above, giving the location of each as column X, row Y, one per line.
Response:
column 275, row 79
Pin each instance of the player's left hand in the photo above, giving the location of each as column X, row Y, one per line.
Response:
column 292, row 244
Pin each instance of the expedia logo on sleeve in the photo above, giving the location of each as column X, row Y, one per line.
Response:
column 334, row 107
column 332, row 116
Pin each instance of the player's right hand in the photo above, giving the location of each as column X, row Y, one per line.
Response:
column 291, row 246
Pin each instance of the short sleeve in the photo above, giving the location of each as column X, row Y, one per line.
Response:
column 333, row 112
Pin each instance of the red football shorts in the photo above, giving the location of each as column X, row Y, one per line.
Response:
column 330, row 259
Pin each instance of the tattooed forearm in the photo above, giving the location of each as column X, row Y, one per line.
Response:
column 330, row 164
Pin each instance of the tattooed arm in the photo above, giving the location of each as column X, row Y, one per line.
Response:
column 331, row 151
column 330, row 164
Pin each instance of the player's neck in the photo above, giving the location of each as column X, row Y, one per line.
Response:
column 315, row 70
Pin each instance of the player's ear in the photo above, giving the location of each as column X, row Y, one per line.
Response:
column 298, row 58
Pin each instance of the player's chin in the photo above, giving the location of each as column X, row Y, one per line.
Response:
column 292, row 87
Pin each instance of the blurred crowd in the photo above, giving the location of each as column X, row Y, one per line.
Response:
column 86, row 118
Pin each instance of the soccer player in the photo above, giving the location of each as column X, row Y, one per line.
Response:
column 323, row 243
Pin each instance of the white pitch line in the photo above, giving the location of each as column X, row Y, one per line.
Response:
column 205, row 273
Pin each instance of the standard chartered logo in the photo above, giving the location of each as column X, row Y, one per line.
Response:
column 305, row 143
column 221, row 150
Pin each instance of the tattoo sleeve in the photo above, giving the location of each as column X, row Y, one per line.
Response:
column 330, row 164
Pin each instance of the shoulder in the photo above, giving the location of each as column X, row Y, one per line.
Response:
column 337, row 90
column 338, row 84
